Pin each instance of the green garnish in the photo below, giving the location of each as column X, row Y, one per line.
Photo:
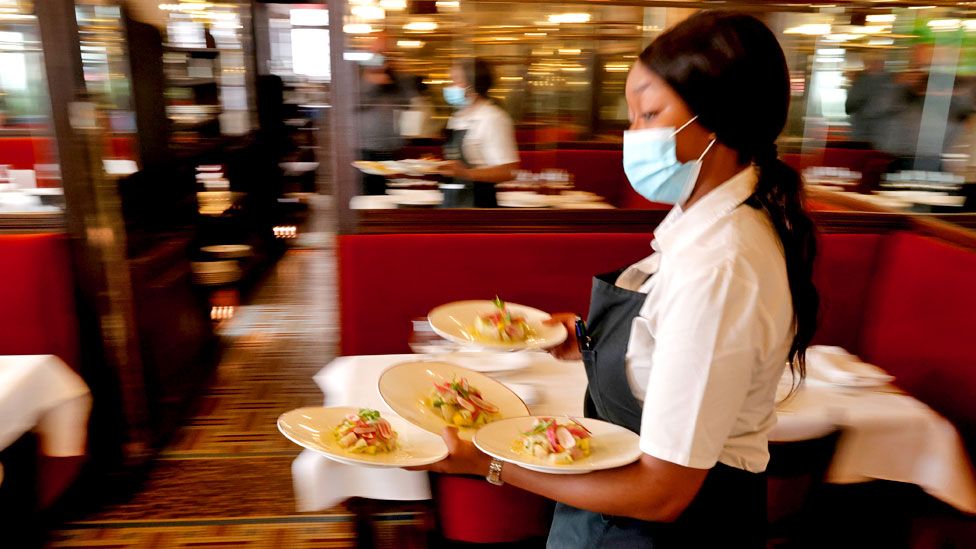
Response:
column 369, row 415
column 499, row 303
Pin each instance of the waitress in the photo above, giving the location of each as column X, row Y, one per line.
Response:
column 481, row 138
column 689, row 344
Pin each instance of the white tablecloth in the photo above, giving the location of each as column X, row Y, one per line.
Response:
column 41, row 393
column 884, row 436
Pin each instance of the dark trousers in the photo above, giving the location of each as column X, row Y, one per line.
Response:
column 374, row 184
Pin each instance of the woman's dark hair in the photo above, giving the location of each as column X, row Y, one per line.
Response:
column 730, row 71
column 479, row 75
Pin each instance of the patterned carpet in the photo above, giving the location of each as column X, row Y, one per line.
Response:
column 225, row 480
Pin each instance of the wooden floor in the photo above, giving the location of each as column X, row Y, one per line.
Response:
column 225, row 480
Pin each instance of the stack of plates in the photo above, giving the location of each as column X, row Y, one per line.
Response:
column 214, row 273
column 227, row 251
column 417, row 198
column 522, row 199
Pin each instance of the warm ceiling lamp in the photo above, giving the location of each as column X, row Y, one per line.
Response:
column 369, row 13
column 393, row 5
column 420, row 26
column 410, row 44
column 566, row 18
column 357, row 28
column 810, row 29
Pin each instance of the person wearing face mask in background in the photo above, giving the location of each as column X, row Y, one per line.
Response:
column 480, row 138
column 381, row 98
column 687, row 347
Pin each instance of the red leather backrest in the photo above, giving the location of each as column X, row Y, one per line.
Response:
column 37, row 307
column 920, row 322
column 536, row 161
column 22, row 153
column 387, row 280
column 844, row 272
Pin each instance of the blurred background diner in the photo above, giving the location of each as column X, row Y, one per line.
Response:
column 216, row 211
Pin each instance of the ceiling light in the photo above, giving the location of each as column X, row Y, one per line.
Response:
column 410, row 43
column 393, row 5
column 567, row 18
column 420, row 26
column 881, row 18
column 369, row 13
column 921, row 7
column 448, row 4
column 944, row 24
column 810, row 29
column 842, row 37
column 357, row 28
column 570, row 51
column 830, row 52
column 537, row 34
column 617, row 67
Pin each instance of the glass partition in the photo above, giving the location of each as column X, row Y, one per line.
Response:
column 30, row 180
column 881, row 100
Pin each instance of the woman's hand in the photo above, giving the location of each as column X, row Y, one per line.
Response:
column 569, row 349
column 452, row 168
column 464, row 458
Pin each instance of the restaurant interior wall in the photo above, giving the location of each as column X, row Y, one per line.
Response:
column 560, row 69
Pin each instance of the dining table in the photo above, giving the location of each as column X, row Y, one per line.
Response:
column 43, row 395
column 885, row 434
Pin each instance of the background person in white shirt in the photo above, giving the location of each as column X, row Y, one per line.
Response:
column 485, row 132
column 690, row 343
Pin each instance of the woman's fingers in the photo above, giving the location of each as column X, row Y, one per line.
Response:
column 568, row 349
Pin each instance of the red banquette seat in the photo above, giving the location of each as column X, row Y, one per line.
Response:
column 902, row 301
column 39, row 317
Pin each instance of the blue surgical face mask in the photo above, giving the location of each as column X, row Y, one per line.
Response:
column 455, row 96
column 652, row 166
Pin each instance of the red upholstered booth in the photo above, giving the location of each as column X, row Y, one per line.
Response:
column 37, row 293
column 22, row 153
column 38, row 316
column 900, row 300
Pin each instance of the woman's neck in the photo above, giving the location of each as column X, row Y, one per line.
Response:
column 718, row 166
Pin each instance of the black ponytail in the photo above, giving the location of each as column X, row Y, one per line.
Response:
column 779, row 193
column 730, row 70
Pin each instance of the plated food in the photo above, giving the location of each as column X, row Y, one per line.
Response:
column 461, row 404
column 365, row 432
column 435, row 394
column 559, row 443
column 502, row 325
column 494, row 324
column 317, row 429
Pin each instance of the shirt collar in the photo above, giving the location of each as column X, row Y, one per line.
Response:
column 682, row 227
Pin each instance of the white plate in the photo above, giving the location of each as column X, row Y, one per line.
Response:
column 311, row 428
column 421, row 200
column 519, row 199
column 611, row 446
column 491, row 362
column 583, row 206
column 405, row 387
column 455, row 322
column 386, row 167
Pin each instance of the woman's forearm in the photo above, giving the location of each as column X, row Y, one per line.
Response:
column 491, row 174
column 649, row 489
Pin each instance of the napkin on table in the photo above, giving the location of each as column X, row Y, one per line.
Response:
column 836, row 365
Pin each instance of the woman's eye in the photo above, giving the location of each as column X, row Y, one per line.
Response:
column 648, row 116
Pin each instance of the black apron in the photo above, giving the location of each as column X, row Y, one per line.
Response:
column 729, row 510
column 462, row 193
